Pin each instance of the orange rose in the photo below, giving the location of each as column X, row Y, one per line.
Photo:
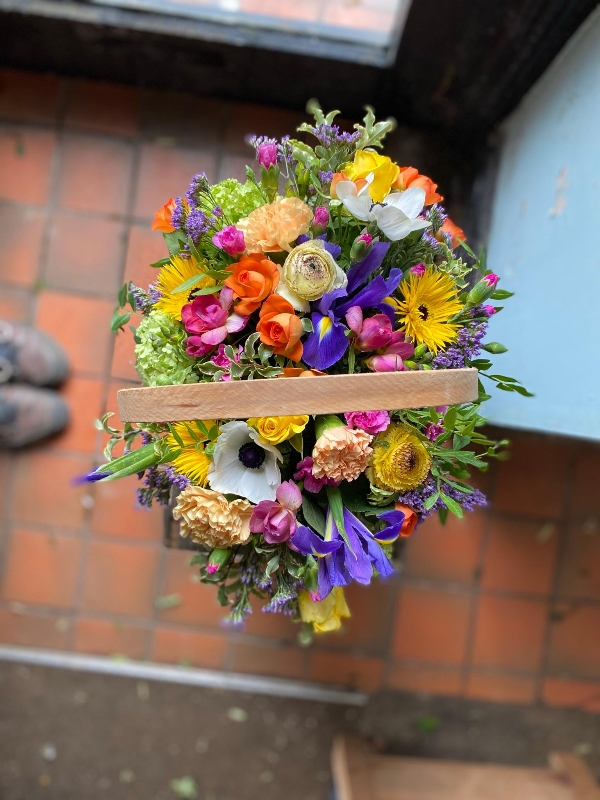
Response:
column 254, row 278
column 410, row 519
column 162, row 218
column 409, row 176
column 298, row 372
column 454, row 231
column 280, row 328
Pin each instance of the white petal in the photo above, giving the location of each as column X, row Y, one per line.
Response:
column 394, row 223
column 340, row 280
column 359, row 207
column 411, row 201
column 345, row 189
column 260, row 484
column 297, row 302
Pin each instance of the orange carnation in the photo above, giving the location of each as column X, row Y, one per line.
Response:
column 274, row 226
column 254, row 278
column 409, row 176
column 410, row 519
column 280, row 328
column 162, row 218
column 457, row 234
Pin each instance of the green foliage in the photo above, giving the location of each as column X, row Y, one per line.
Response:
column 160, row 352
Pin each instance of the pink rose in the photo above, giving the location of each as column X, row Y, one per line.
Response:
column 276, row 520
column 207, row 319
column 230, row 239
column 369, row 421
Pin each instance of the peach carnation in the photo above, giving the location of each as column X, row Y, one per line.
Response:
column 210, row 519
column 274, row 226
column 341, row 454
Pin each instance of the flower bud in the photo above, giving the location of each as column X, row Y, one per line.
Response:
column 266, row 154
column 482, row 290
column 217, row 559
column 360, row 248
column 418, row 270
column 324, row 423
column 420, row 350
column 321, row 217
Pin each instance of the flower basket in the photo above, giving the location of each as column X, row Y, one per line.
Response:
column 311, row 355
column 330, row 394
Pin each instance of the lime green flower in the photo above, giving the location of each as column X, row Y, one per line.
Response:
column 160, row 352
column 236, row 199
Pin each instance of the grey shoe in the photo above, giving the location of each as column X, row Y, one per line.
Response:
column 30, row 356
column 29, row 414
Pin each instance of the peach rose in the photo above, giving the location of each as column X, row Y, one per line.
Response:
column 454, row 231
column 162, row 218
column 410, row 519
column 341, row 454
column 409, row 176
column 280, row 328
column 273, row 227
column 254, row 278
column 210, row 519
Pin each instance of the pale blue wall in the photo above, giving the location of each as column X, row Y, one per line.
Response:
column 545, row 244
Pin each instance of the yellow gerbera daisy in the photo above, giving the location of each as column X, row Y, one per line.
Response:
column 429, row 302
column 172, row 275
column 192, row 461
column 400, row 462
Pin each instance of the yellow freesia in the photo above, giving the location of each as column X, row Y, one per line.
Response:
column 383, row 168
column 325, row 615
column 278, row 429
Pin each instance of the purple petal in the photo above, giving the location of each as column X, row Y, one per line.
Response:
column 359, row 273
column 309, row 543
column 354, row 318
column 326, row 344
column 326, row 301
column 391, row 533
column 374, row 293
column 289, row 495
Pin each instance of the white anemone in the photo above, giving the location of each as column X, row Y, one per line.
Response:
column 244, row 465
column 396, row 217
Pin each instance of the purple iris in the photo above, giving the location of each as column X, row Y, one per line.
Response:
column 329, row 341
column 353, row 558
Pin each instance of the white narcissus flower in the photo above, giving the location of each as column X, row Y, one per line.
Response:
column 396, row 217
column 243, row 464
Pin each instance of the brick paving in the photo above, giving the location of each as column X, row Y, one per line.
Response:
column 504, row 605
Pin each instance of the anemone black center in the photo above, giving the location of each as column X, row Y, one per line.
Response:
column 424, row 312
column 251, row 455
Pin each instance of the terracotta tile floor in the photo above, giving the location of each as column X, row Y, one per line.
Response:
column 504, row 605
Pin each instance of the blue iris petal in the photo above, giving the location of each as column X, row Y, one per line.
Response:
column 373, row 294
column 360, row 272
column 326, row 344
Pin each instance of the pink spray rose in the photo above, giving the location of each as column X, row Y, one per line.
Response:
column 207, row 318
column 371, row 333
column 392, row 358
column 369, row 421
column 230, row 239
column 276, row 520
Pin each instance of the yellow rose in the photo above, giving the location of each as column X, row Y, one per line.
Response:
column 327, row 614
column 384, row 172
column 278, row 429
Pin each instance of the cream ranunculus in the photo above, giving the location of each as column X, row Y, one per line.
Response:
column 308, row 273
column 208, row 518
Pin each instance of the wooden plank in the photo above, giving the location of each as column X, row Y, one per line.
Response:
column 362, row 775
column 287, row 396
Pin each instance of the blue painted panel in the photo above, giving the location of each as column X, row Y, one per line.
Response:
column 545, row 244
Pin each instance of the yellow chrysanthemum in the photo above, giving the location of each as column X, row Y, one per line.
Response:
column 192, row 461
column 429, row 303
column 400, row 462
column 172, row 275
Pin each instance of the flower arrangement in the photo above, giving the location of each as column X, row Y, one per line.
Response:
column 332, row 260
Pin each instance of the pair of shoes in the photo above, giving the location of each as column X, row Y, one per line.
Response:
column 29, row 413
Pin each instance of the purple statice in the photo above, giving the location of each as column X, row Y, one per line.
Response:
column 252, row 573
column 179, row 214
column 197, row 224
column 217, row 212
column 142, row 301
column 177, row 481
column 198, row 185
column 285, row 152
column 466, row 347
column 429, row 239
column 329, row 135
column 325, row 176
column 417, row 497
column 284, row 599
column 155, row 487
column 153, row 293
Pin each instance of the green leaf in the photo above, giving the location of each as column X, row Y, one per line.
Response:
column 174, row 241
column 503, row 378
column 162, row 262
column 189, row 284
column 272, row 565
column 337, row 509
column 501, row 294
column 494, row 347
column 450, row 418
column 452, row 505
column 443, row 515
column 460, row 441
column 481, row 363
column 522, row 390
column 307, row 325
column 166, row 601
column 431, row 501
column 123, row 295
column 119, row 320
column 296, row 442
column 207, row 290
column 313, row 515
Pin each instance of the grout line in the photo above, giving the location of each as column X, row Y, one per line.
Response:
column 278, row 687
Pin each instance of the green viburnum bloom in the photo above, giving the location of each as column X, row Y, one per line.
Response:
column 236, row 199
column 160, row 353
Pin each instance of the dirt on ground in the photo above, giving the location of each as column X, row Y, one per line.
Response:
column 78, row 736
